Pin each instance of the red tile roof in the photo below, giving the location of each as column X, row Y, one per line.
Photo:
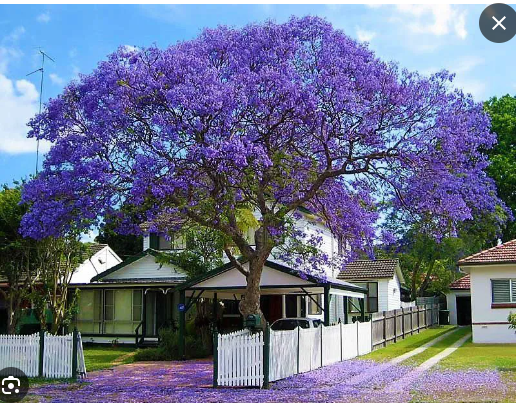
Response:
column 504, row 253
column 461, row 284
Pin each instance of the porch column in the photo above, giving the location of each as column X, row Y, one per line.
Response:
column 144, row 313
column 283, row 306
column 182, row 319
column 215, row 310
column 345, row 310
column 327, row 305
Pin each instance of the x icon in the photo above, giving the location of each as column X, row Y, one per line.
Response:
column 499, row 23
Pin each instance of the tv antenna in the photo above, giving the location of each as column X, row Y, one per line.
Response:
column 42, row 71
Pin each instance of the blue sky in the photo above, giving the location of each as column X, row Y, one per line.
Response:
column 423, row 37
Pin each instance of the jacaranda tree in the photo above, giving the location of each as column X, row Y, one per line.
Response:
column 268, row 118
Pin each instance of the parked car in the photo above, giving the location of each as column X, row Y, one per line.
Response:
column 292, row 323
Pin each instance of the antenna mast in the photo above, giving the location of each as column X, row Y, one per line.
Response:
column 42, row 71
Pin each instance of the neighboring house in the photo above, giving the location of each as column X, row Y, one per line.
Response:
column 492, row 275
column 458, row 301
column 382, row 278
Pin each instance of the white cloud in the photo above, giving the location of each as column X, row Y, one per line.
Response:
column 14, row 35
column 466, row 64
column 8, row 49
column 364, row 35
column 19, row 102
column 75, row 72
column 73, row 53
column 43, row 17
column 7, row 54
column 56, row 79
column 435, row 19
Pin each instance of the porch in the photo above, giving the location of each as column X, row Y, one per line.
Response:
column 284, row 293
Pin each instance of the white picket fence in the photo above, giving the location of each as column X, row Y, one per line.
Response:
column 23, row 352
column 303, row 350
column 240, row 359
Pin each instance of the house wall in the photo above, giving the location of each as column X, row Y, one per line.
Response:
column 146, row 268
column 451, row 303
column 307, row 224
column 489, row 325
column 393, row 294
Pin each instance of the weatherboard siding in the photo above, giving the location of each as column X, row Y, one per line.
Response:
column 145, row 268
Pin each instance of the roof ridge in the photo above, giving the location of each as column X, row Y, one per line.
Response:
column 470, row 257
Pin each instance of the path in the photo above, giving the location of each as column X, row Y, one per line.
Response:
column 362, row 377
column 401, row 384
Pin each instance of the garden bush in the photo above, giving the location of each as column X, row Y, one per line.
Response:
column 168, row 348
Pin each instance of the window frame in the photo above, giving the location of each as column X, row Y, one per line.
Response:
column 512, row 294
column 366, row 284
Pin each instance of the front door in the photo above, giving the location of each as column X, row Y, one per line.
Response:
column 156, row 309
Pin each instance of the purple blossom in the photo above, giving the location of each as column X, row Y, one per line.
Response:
column 270, row 117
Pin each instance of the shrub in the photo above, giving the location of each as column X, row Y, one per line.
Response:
column 512, row 320
column 168, row 348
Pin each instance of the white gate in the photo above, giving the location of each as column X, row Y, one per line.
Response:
column 240, row 359
column 23, row 352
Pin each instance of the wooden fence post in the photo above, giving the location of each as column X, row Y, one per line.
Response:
column 41, row 352
column 75, row 340
column 418, row 324
column 215, row 357
column 411, row 321
column 384, row 329
column 395, row 326
column 403, row 323
column 266, row 356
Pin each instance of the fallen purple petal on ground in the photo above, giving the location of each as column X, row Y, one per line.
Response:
column 191, row 381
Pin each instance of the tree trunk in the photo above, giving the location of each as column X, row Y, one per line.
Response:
column 13, row 312
column 250, row 304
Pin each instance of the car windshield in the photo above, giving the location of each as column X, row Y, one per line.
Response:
column 286, row 324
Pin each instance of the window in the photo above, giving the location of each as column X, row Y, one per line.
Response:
column 89, row 315
column 371, row 301
column 137, row 305
column 122, row 311
column 164, row 243
column 314, row 307
column 504, row 291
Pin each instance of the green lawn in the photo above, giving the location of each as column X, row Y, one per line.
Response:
column 482, row 356
column 103, row 357
column 438, row 347
column 410, row 343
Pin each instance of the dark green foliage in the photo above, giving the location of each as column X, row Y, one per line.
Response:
column 168, row 348
column 503, row 155
column 429, row 265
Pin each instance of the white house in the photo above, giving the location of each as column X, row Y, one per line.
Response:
column 382, row 278
column 102, row 258
column 493, row 292
column 458, row 301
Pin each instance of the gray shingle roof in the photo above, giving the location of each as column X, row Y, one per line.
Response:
column 381, row 268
